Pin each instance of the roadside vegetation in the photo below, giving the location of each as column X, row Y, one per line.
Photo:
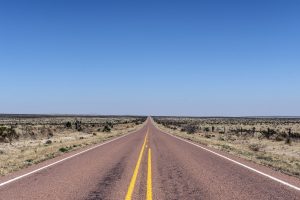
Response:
column 273, row 142
column 29, row 140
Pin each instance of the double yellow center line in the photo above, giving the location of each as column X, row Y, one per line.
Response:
column 136, row 170
column 149, row 177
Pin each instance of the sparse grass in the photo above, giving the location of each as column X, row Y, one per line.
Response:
column 269, row 148
column 255, row 146
column 65, row 149
column 29, row 150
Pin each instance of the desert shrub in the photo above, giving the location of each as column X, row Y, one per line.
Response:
column 140, row 121
column 221, row 138
column 255, row 147
column 288, row 140
column 279, row 138
column 50, row 133
column 78, row 125
column 226, row 147
column 206, row 129
column 69, row 125
column 2, row 133
column 8, row 134
column 63, row 149
column 268, row 133
column 48, row 142
column 110, row 124
column 106, row 128
column 47, row 131
column 263, row 157
column 190, row 129
column 295, row 135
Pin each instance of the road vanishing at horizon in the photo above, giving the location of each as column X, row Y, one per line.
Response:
column 148, row 164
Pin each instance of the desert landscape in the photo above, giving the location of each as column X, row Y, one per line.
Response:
column 150, row 100
column 30, row 139
column 273, row 142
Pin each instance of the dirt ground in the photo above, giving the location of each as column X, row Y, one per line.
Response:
column 25, row 141
column 270, row 142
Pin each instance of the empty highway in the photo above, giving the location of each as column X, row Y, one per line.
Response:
column 148, row 164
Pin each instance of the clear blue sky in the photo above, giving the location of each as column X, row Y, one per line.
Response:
column 199, row 58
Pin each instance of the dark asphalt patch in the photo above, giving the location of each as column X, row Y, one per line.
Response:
column 106, row 185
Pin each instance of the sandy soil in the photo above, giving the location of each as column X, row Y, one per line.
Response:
column 41, row 139
column 272, row 152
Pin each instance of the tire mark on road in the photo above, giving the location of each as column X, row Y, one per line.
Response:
column 106, row 185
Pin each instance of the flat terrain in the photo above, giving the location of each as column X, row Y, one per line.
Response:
column 273, row 142
column 29, row 139
column 148, row 164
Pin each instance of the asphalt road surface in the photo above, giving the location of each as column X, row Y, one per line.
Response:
column 148, row 164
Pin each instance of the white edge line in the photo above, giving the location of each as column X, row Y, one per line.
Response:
column 67, row 158
column 236, row 162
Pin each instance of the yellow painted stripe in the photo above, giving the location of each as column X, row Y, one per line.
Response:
column 149, row 177
column 135, row 173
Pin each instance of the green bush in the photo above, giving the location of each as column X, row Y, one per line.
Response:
column 68, row 124
column 268, row 133
column 65, row 149
column 206, row 129
column 110, row 124
column 190, row 129
column 8, row 134
column 106, row 128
